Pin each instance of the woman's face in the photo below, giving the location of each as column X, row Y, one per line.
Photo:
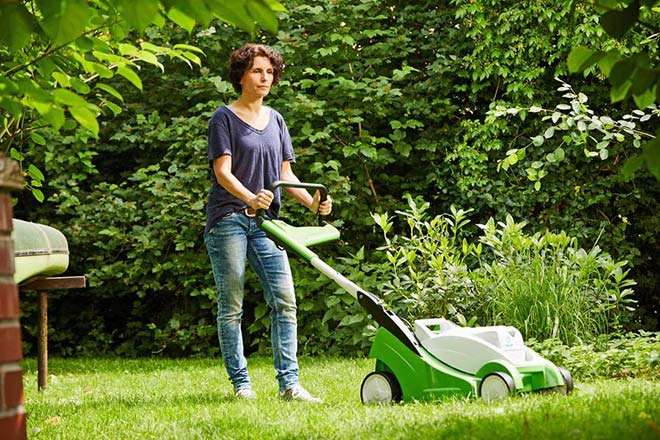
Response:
column 258, row 79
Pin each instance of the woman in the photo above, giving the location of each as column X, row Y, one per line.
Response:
column 249, row 149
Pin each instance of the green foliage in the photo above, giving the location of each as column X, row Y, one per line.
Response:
column 62, row 55
column 65, row 21
column 544, row 284
column 619, row 356
column 630, row 74
column 548, row 287
column 330, row 320
column 382, row 98
column 630, row 68
column 153, row 223
column 426, row 272
column 597, row 136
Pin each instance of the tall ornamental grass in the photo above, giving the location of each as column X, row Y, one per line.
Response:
column 542, row 283
column 549, row 287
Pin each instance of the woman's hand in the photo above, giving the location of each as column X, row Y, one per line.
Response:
column 324, row 208
column 262, row 200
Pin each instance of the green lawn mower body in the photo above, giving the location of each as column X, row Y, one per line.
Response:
column 436, row 359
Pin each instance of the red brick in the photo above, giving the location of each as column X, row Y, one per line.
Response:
column 10, row 344
column 8, row 301
column 12, row 426
column 12, row 384
column 6, row 256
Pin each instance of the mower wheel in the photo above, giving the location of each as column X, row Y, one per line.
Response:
column 568, row 380
column 380, row 387
column 566, row 388
column 496, row 386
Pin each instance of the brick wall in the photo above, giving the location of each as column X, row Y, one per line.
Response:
column 12, row 411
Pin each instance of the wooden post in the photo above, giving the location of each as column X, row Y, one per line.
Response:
column 42, row 286
column 12, row 411
column 42, row 341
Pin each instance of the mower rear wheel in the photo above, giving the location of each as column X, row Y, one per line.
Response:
column 566, row 388
column 568, row 380
column 496, row 386
column 380, row 387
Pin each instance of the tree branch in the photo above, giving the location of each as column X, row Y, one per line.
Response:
column 49, row 51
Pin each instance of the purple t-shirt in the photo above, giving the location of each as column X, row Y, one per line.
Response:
column 256, row 159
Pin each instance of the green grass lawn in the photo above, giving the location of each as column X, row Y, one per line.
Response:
column 192, row 399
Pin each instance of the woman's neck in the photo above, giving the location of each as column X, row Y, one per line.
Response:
column 247, row 105
column 251, row 112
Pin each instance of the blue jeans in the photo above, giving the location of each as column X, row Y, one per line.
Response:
column 232, row 240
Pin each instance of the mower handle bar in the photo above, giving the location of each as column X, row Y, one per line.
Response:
column 303, row 185
column 313, row 186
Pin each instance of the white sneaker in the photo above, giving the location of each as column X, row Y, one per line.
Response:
column 245, row 394
column 299, row 394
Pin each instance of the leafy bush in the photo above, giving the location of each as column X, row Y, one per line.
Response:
column 330, row 320
column 381, row 98
column 426, row 272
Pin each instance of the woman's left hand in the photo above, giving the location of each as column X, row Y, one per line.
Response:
column 324, row 208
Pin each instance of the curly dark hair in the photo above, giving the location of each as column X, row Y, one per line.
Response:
column 242, row 59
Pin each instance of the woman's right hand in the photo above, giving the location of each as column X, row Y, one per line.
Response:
column 262, row 200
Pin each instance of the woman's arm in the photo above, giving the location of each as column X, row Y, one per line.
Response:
column 226, row 179
column 302, row 195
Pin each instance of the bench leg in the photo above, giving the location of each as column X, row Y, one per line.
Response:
column 42, row 341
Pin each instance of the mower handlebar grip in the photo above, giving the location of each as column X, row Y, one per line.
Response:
column 310, row 186
column 323, row 191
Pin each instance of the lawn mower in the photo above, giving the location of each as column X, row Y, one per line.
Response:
column 435, row 358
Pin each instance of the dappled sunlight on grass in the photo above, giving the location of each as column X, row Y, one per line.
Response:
column 192, row 399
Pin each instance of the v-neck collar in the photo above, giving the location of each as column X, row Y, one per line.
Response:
column 247, row 124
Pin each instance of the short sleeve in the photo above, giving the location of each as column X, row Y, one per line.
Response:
column 219, row 137
column 287, row 145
